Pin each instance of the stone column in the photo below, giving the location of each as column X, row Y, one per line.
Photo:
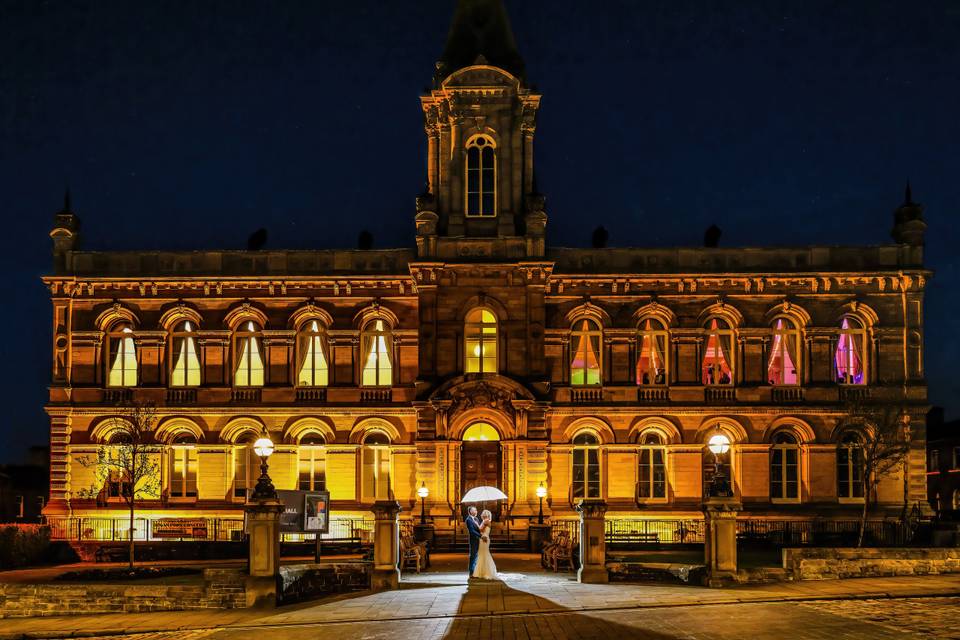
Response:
column 263, row 564
column 386, row 544
column 720, row 540
column 593, row 548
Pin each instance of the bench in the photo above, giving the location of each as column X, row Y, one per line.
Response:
column 413, row 553
column 558, row 552
column 112, row 554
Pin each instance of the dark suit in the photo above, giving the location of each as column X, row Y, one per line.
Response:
column 473, row 529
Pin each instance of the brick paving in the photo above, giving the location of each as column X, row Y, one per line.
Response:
column 533, row 605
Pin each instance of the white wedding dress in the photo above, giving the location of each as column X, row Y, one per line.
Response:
column 486, row 568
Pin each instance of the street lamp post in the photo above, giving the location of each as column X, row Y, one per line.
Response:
column 719, row 444
column 541, row 493
column 423, row 492
column 264, row 490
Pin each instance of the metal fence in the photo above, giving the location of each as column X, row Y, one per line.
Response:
column 639, row 533
column 103, row 529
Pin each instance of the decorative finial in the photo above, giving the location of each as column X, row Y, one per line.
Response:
column 908, row 194
column 66, row 200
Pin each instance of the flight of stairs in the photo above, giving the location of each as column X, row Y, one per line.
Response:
column 515, row 542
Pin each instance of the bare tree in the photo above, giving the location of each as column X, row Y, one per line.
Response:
column 884, row 443
column 128, row 461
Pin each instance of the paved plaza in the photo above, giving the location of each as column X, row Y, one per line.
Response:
column 532, row 604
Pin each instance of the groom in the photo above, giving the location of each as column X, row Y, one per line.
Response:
column 473, row 529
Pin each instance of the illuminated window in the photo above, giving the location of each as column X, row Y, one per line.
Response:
column 185, row 367
column 784, row 467
column 850, row 467
column 652, row 353
column 718, row 353
column 652, row 476
column 481, row 431
column 783, row 363
column 183, row 467
column 848, row 360
column 248, row 348
column 586, row 466
column 312, row 354
column 245, row 465
column 376, row 343
column 481, row 190
column 481, row 342
column 585, row 340
column 122, row 356
column 375, row 476
column 312, row 462
column 118, row 481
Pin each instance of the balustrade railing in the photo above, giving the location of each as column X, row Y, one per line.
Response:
column 586, row 394
column 719, row 395
column 181, row 396
column 311, row 394
column 373, row 394
column 652, row 395
column 786, row 395
column 245, row 394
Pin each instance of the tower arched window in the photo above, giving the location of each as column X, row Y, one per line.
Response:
column 481, row 169
column 718, row 356
column 184, row 357
column 586, row 466
column 376, row 342
column 849, row 358
column 783, row 365
column 375, row 473
column 850, row 467
column 312, row 462
column 785, row 467
column 652, row 340
column 652, row 470
column 122, row 356
column 480, row 340
column 313, row 369
column 248, row 350
column 586, row 338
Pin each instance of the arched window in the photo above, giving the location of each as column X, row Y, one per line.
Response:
column 245, row 465
column 784, row 467
column 481, row 192
column 183, row 466
column 850, row 467
column 122, row 350
column 184, row 358
column 783, row 365
column 652, row 341
column 586, row 466
column 851, row 347
column 718, row 357
column 248, row 350
column 375, row 474
column 376, row 342
column 585, row 340
column 312, row 462
column 480, row 339
column 482, row 432
column 312, row 367
column 652, row 476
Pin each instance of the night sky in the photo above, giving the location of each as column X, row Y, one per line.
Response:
column 188, row 125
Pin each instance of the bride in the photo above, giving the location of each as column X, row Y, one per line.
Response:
column 485, row 568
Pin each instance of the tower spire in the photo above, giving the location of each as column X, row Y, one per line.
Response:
column 908, row 223
column 480, row 34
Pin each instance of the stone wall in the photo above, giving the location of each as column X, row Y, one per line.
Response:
column 220, row 589
column 836, row 563
column 310, row 581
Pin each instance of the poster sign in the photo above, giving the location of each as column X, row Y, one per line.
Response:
column 179, row 528
column 305, row 511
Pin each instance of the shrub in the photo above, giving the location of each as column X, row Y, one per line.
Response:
column 23, row 545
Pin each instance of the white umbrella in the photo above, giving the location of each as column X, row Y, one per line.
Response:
column 484, row 494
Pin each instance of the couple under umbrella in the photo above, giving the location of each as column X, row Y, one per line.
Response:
column 479, row 528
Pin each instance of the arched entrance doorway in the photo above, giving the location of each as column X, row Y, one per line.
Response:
column 480, row 460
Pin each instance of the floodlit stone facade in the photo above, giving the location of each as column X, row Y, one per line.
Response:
column 485, row 356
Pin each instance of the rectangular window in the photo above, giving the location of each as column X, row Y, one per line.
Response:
column 311, row 468
column 376, row 473
column 183, row 476
column 586, row 473
column 243, row 470
column 849, row 472
column 933, row 461
column 784, row 473
column 653, row 474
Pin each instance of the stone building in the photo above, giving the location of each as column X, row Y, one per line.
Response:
column 484, row 356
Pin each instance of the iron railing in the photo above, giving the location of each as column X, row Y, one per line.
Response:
column 637, row 532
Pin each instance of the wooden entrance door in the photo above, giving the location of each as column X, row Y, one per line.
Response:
column 480, row 466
